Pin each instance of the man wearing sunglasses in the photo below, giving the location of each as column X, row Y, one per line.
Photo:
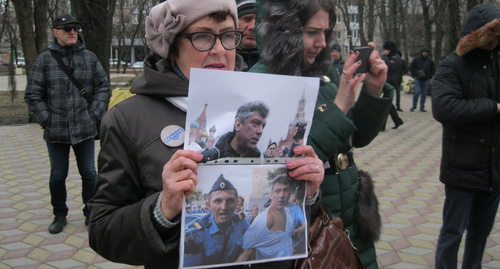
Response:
column 68, row 111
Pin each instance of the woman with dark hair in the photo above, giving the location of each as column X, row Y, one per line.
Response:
column 292, row 36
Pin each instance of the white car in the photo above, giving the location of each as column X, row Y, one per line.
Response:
column 138, row 64
column 114, row 62
column 20, row 62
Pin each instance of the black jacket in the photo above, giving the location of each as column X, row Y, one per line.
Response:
column 396, row 67
column 223, row 149
column 425, row 63
column 466, row 90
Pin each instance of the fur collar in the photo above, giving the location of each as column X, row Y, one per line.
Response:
column 280, row 33
column 481, row 36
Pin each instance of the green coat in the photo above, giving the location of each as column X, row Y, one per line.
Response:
column 329, row 135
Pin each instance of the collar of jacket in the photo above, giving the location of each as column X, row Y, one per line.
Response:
column 281, row 51
column 479, row 37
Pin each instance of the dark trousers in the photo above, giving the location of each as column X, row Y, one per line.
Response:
column 59, row 166
column 398, row 95
column 395, row 116
column 465, row 209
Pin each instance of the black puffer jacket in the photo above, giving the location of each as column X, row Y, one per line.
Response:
column 466, row 90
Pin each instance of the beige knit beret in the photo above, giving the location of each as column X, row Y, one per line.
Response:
column 169, row 18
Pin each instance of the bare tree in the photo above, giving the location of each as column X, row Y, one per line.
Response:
column 343, row 6
column 126, row 28
column 97, row 23
column 32, row 22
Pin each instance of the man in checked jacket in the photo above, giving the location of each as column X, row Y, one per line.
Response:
column 67, row 117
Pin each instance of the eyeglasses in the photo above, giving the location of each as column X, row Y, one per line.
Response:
column 204, row 41
column 68, row 29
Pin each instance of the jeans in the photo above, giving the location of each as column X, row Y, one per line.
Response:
column 420, row 88
column 59, row 166
column 470, row 210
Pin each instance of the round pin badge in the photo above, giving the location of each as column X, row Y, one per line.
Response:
column 172, row 136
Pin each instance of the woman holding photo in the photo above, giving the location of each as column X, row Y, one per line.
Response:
column 340, row 122
column 136, row 211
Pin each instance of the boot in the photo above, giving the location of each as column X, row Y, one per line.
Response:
column 58, row 224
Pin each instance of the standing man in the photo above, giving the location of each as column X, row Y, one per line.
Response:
column 337, row 58
column 216, row 237
column 246, row 23
column 466, row 101
column 249, row 124
column 395, row 70
column 422, row 69
column 68, row 119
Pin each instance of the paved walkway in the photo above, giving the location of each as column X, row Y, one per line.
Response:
column 403, row 162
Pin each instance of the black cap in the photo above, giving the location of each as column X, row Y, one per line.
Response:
column 222, row 184
column 389, row 45
column 425, row 49
column 336, row 47
column 64, row 19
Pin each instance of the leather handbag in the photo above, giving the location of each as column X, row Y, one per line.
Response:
column 329, row 245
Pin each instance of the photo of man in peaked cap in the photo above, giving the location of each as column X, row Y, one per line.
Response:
column 216, row 237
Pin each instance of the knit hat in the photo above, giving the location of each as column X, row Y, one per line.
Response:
column 169, row 18
column 389, row 45
column 336, row 47
column 64, row 19
column 425, row 49
column 222, row 184
column 245, row 7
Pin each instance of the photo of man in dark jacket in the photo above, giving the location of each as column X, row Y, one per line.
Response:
column 422, row 69
column 466, row 101
column 67, row 115
column 249, row 124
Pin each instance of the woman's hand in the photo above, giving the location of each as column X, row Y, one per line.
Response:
column 179, row 178
column 309, row 168
column 349, row 84
column 377, row 76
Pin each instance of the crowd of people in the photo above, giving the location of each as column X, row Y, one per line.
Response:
column 133, row 203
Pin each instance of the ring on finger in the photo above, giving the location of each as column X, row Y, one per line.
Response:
column 317, row 169
column 345, row 77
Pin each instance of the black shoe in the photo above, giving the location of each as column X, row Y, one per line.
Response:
column 397, row 125
column 423, row 110
column 412, row 109
column 58, row 224
column 399, row 109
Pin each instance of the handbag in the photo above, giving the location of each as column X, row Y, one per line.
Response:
column 329, row 245
column 81, row 89
column 421, row 73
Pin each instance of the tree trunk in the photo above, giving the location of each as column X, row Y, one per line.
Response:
column 440, row 21
column 454, row 25
column 393, row 20
column 41, row 25
column 361, row 22
column 427, row 25
column 24, row 17
column 371, row 20
column 97, row 25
